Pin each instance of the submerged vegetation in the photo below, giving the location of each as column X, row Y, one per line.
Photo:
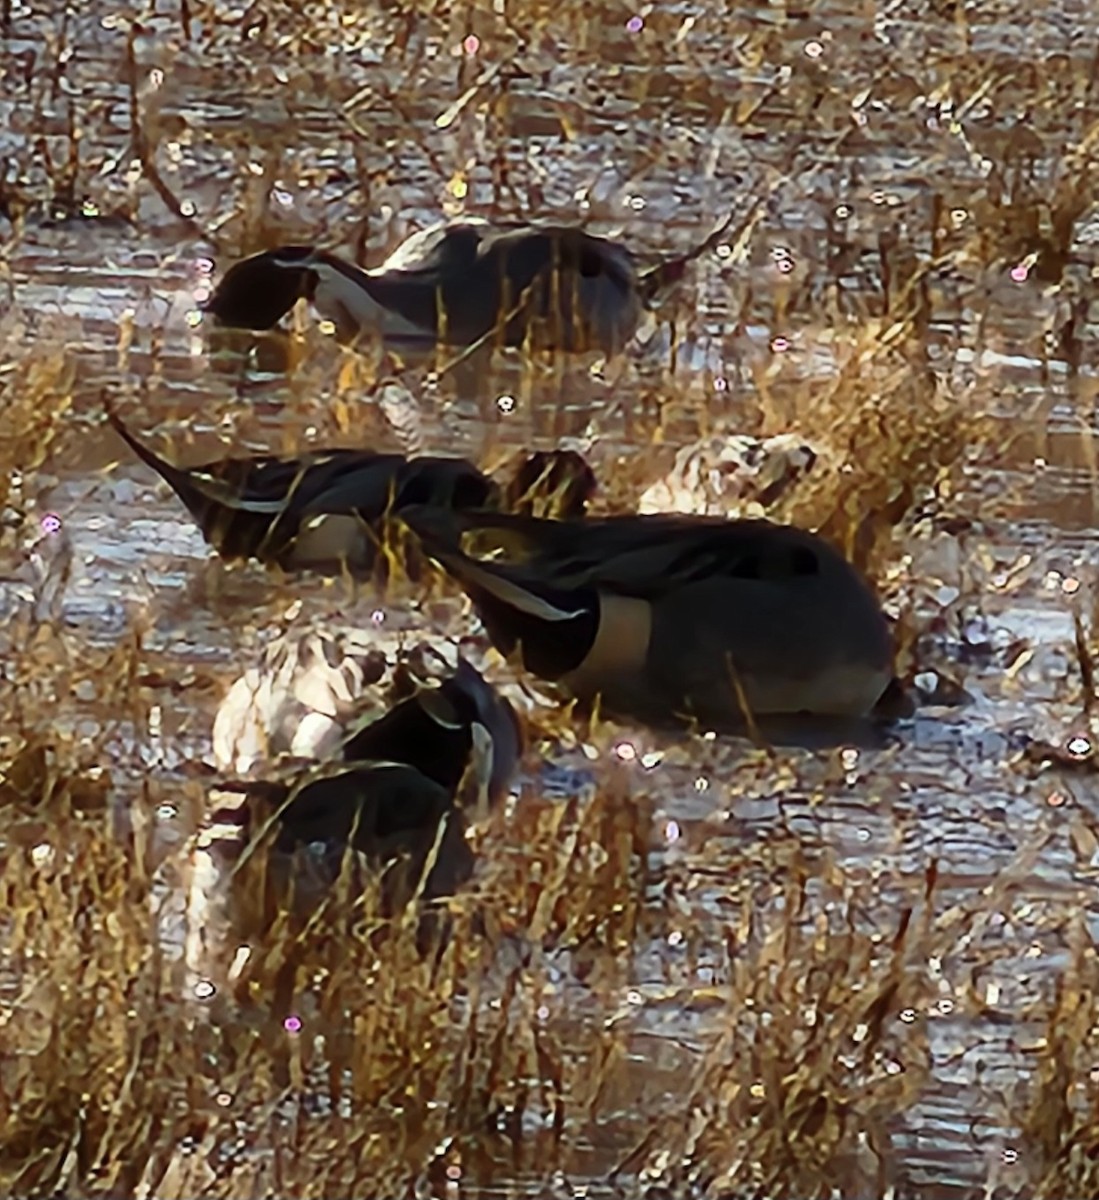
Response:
column 684, row 965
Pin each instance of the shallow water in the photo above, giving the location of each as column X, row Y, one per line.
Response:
column 852, row 129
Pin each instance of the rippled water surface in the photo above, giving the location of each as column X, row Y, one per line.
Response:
column 880, row 139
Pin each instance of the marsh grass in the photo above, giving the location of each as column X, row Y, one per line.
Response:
column 803, row 987
column 35, row 396
column 118, row 1079
column 894, row 436
column 110, row 1067
column 1059, row 1117
column 821, row 1046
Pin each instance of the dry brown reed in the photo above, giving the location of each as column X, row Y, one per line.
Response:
column 507, row 1050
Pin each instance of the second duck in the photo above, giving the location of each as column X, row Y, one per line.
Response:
column 673, row 618
column 327, row 511
column 556, row 285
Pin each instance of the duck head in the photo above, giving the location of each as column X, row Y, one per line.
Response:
column 449, row 720
column 258, row 292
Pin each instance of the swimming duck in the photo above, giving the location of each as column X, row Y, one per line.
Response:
column 671, row 618
column 458, row 283
column 326, row 511
column 446, row 745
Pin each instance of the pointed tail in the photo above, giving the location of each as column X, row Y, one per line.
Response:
column 180, row 481
column 655, row 283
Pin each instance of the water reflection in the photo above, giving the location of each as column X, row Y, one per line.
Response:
column 896, row 124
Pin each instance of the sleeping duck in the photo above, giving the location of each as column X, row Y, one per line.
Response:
column 432, row 745
column 673, row 618
column 459, row 284
column 733, row 475
column 327, row 511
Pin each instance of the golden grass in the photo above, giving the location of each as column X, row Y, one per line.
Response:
column 109, row 1065
column 821, row 1045
column 35, row 395
column 116, row 1080
column 798, row 1051
column 1061, row 1121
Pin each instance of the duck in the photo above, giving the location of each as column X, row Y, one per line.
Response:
column 735, row 475
column 327, row 511
column 459, row 283
column 441, row 747
column 318, row 694
column 668, row 618
column 389, row 813
column 297, row 699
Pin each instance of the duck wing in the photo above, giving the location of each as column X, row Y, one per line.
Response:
column 364, row 805
column 433, row 731
column 571, row 289
column 255, row 505
column 641, row 556
column 327, row 480
column 488, row 276
column 527, row 252
column 448, row 246
column 251, row 506
column 359, row 482
column 424, row 268
column 265, row 483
